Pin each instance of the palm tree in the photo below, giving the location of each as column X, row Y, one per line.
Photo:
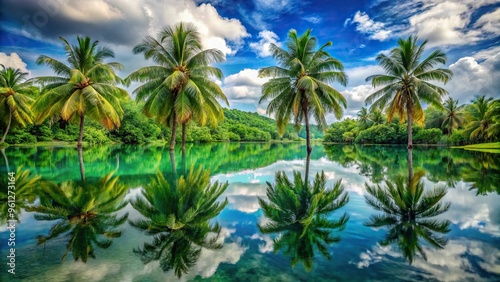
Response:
column 86, row 86
column 84, row 212
column 299, row 85
column 364, row 117
column 479, row 116
column 454, row 114
column 376, row 116
column 14, row 102
column 299, row 211
column 406, row 211
column 179, row 88
column 177, row 215
column 406, row 83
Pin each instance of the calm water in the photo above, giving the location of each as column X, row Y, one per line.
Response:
column 471, row 252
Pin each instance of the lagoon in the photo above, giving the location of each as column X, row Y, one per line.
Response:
column 471, row 253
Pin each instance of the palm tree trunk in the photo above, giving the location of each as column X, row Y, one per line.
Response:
column 183, row 162
column 5, row 158
column 308, row 160
column 410, row 146
column 174, row 129
column 172, row 164
column 7, row 129
column 80, row 136
column 82, row 167
column 183, row 136
column 306, row 119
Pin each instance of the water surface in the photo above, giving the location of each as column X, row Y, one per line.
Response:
column 471, row 253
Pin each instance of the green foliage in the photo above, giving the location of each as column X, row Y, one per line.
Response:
column 337, row 130
column 378, row 134
column 428, row 136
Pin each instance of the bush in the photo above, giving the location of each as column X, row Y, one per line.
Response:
column 19, row 136
column 95, row 136
column 458, row 138
column 428, row 136
column 378, row 134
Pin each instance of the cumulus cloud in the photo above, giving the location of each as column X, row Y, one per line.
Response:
column 13, row 61
column 123, row 22
column 441, row 22
column 244, row 86
column 261, row 48
column 365, row 25
column 471, row 78
column 244, row 196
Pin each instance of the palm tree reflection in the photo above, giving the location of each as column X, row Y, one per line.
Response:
column 407, row 212
column 178, row 216
column 299, row 212
column 84, row 212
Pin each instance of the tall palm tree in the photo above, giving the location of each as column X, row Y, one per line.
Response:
column 407, row 210
column 14, row 102
column 364, row 117
column 177, row 215
column 299, row 85
column 84, row 212
column 179, row 88
column 407, row 82
column 454, row 116
column 300, row 212
column 86, row 86
column 479, row 116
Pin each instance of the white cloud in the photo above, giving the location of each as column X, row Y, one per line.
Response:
column 261, row 48
column 471, row 78
column 13, row 60
column 365, row 25
column 490, row 22
column 244, row 86
column 313, row 19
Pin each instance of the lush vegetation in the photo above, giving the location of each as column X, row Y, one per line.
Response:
column 476, row 122
column 180, row 90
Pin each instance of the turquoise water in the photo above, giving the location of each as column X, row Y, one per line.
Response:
column 471, row 253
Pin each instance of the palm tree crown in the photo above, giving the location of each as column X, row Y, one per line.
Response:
column 299, row 85
column 454, row 116
column 14, row 102
column 179, row 88
column 406, row 82
column 86, row 86
column 480, row 117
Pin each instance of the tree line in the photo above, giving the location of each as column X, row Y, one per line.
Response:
column 452, row 123
column 179, row 90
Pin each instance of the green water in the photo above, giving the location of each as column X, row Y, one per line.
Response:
column 471, row 251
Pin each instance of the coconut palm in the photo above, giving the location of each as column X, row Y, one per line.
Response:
column 407, row 210
column 84, row 212
column 300, row 212
column 177, row 215
column 454, row 116
column 299, row 85
column 14, row 102
column 86, row 86
column 179, row 88
column 364, row 117
column 479, row 116
column 377, row 117
column 407, row 82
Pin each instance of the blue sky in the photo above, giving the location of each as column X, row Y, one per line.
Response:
column 467, row 30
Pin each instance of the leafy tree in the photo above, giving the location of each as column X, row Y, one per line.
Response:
column 406, row 82
column 15, row 102
column 454, row 117
column 376, row 117
column 179, row 88
column 86, row 86
column 177, row 215
column 84, row 213
column 300, row 212
column 406, row 208
column 299, row 85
